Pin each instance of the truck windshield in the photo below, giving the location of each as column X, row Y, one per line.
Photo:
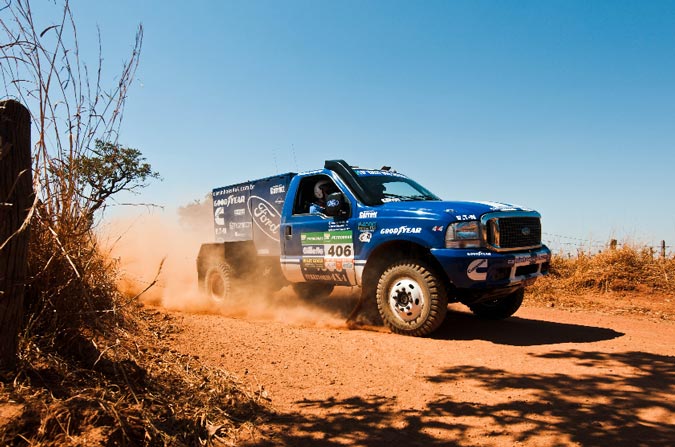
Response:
column 393, row 187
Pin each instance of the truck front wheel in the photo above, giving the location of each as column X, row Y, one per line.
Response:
column 411, row 298
column 218, row 282
column 500, row 308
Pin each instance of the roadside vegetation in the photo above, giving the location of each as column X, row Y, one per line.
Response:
column 629, row 279
column 93, row 367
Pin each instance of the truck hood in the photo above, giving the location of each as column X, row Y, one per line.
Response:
column 441, row 210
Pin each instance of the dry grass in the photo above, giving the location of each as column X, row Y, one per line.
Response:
column 623, row 269
column 627, row 280
column 129, row 388
column 95, row 368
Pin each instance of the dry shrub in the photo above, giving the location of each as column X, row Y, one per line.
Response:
column 96, row 368
column 71, row 287
column 126, row 388
column 628, row 268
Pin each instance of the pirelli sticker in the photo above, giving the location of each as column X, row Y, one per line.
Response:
column 328, row 256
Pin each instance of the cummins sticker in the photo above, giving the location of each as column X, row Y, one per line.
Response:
column 219, row 216
column 477, row 270
column 265, row 216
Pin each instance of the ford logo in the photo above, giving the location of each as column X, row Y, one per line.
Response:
column 265, row 216
column 525, row 231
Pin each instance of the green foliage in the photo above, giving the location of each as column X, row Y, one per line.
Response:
column 110, row 169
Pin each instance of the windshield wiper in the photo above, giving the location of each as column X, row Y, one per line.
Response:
column 394, row 196
column 407, row 198
column 421, row 197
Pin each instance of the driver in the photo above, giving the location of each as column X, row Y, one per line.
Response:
column 321, row 190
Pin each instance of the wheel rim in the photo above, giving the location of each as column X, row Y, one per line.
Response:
column 406, row 299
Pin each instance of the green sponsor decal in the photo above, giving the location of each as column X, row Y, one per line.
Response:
column 327, row 237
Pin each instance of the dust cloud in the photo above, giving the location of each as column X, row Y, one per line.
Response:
column 157, row 256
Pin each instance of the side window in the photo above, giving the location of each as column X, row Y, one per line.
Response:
column 301, row 205
column 312, row 194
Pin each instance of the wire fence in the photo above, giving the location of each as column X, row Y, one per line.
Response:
column 568, row 245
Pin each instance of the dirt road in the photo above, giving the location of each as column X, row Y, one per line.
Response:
column 546, row 377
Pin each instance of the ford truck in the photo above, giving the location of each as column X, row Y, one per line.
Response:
column 378, row 230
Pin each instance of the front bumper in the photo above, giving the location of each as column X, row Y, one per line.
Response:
column 477, row 270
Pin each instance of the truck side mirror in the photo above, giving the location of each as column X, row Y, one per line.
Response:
column 335, row 204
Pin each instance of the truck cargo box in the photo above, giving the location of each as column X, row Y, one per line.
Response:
column 251, row 211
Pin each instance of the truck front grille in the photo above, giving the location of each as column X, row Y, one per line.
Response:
column 515, row 231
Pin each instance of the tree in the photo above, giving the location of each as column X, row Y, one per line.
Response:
column 108, row 170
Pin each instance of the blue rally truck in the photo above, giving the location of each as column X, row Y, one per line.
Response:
column 376, row 229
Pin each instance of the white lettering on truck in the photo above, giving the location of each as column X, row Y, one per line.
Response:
column 278, row 189
column 230, row 200
column 401, row 230
column 367, row 214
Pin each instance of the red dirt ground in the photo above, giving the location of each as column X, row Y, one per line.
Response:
column 600, row 374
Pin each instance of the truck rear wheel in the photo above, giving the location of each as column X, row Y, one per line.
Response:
column 411, row 298
column 218, row 282
column 312, row 291
column 499, row 308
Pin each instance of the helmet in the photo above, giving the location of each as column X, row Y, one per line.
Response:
column 320, row 189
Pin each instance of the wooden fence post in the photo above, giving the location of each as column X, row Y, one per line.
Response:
column 663, row 249
column 16, row 199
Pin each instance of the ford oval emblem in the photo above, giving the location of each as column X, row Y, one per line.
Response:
column 526, row 231
column 265, row 216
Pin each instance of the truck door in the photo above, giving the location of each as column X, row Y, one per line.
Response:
column 316, row 247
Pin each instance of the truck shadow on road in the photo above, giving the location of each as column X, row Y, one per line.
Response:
column 516, row 331
column 632, row 406
column 459, row 325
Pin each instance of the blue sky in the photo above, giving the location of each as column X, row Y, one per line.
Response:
column 567, row 106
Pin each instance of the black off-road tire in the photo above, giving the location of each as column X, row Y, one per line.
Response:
column 411, row 298
column 312, row 290
column 499, row 308
column 218, row 283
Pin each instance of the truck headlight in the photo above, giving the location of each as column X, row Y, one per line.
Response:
column 463, row 235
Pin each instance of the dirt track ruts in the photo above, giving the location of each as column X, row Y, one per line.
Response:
column 542, row 378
